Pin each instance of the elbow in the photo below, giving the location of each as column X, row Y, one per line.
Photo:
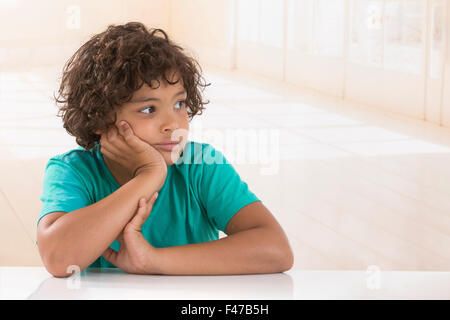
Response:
column 55, row 257
column 61, row 270
column 286, row 260
column 289, row 263
column 278, row 259
column 284, row 256
column 55, row 264
column 56, row 269
column 280, row 255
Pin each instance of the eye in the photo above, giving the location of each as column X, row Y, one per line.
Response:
column 181, row 103
column 147, row 108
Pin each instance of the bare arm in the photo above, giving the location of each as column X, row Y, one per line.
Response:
column 256, row 243
column 80, row 237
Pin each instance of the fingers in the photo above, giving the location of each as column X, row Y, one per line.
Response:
column 112, row 144
column 120, row 238
column 111, row 256
column 118, row 136
column 143, row 211
column 128, row 135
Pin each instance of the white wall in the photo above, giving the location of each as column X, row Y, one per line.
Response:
column 205, row 27
column 446, row 88
column 48, row 32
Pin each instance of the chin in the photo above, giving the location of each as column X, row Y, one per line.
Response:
column 169, row 162
column 168, row 159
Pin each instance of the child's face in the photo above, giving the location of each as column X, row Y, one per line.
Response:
column 155, row 121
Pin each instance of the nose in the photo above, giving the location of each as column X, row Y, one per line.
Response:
column 169, row 122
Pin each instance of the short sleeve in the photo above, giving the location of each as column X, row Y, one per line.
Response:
column 222, row 191
column 63, row 189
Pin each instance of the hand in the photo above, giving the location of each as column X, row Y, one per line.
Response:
column 135, row 254
column 121, row 145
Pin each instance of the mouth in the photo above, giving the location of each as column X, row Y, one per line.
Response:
column 168, row 146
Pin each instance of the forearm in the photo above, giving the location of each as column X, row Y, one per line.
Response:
column 81, row 236
column 248, row 252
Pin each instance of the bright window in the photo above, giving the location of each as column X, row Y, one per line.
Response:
column 317, row 26
column 436, row 39
column 261, row 21
column 388, row 34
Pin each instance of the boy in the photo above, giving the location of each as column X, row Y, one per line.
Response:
column 99, row 201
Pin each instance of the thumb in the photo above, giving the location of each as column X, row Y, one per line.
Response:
column 143, row 211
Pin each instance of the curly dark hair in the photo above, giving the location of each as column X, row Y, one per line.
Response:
column 105, row 71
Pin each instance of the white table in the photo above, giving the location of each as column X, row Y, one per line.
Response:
column 36, row 283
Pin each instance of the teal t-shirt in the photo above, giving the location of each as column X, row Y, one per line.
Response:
column 201, row 193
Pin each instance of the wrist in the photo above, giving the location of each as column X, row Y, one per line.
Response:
column 151, row 171
column 153, row 263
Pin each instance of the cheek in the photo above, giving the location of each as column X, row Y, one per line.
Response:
column 143, row 131
column 147, row 135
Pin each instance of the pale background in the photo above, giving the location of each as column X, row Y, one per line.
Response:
column 357, row 90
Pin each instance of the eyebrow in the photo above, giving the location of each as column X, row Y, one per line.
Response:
column 156, row 99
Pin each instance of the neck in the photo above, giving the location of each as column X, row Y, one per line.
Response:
column 117, row 170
